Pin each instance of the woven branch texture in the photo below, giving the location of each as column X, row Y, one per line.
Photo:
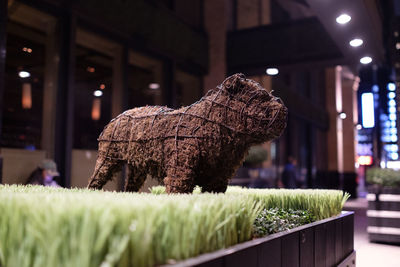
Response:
column 201, row 144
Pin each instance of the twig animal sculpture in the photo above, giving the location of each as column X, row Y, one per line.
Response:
column 201, row 144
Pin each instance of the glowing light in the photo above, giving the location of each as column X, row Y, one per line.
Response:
column 90, row 69
column 365, row 60
column 27, row 49
column 392, row 110
column 26, row 96
column 393, row 164
column 391, row 86
column 364, row 160
column 356, row 42
column 24, row 74
column 102, row 86
column 154, row 86
column 392, row 103
column 343, row 19
column 96, row 109
column 391, row 95
column 383, row 164
column 98, row 93
column 397, row 46
column 367, row 108
column 272, row 71
column 358, row 127
column 392, row 117
column 342, row 115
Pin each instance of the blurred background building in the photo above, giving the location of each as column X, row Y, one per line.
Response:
column 68, row 67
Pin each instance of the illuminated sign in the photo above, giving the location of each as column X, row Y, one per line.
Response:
column 388, row 125
column 364, row 149
column 364, row 160
column 367, row 108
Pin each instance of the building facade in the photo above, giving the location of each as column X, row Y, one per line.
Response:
column 68, row 67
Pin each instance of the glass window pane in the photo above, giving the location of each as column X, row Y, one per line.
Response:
column 93, row 88
column 144, row 80
column 24, row 77
column 188, row 88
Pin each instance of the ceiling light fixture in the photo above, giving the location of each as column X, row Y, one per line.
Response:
column 27, row 49
column 98, row 93
column 24, row 74
column 342, row 115
column 343, row 19
column 272, row 71
column 154, row 86
column 356, row 42
column 365, row 60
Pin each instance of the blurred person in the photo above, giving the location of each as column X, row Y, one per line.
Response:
column 44, row 174
column 289, row 178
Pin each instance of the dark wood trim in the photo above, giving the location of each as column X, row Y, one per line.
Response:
column 3, row 43
column 65, row 98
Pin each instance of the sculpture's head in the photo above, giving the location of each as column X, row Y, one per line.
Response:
column 262, row 116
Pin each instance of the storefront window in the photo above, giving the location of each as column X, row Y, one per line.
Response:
column 25, row 71
column 144, row 80
column 188, row 88
column 93, row 88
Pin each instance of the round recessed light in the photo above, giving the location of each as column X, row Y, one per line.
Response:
column 342, row 115
column 24, row 74
column 397, row 46
column 365, row 60
column 272, row 71
column 343, row 19
column 154, row 86
column 98, row 93
column 359, row 127
column 391, row 86
column 356, row 42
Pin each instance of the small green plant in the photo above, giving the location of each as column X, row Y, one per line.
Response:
column 383, row 177
column 257, row 155
column 277, row 220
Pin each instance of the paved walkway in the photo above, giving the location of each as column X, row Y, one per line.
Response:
column 370, row 254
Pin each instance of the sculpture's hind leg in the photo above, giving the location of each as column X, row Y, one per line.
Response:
column 103, row 172
column 134, row 180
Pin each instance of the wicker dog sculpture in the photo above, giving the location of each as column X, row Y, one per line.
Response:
column 201, row 144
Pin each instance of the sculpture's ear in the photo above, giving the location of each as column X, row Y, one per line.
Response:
column 234, row 83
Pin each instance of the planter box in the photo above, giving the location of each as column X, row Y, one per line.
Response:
column 327, row 242
column 383, row 214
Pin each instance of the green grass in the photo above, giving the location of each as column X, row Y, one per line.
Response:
column 321, row 203
column 41, row 226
